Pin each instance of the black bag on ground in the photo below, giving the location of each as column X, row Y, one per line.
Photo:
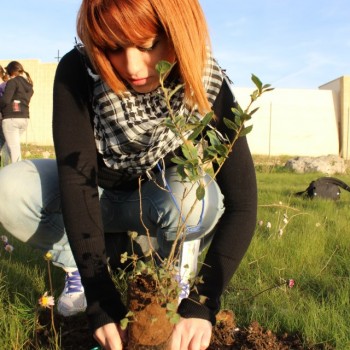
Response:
column 324, row 187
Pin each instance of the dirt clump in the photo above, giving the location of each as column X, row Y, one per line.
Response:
column 149, row 327
column 227, row 336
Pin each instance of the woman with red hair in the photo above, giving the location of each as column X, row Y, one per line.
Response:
column 109, row 132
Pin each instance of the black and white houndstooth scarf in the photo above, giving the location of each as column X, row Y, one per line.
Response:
column 129, row 131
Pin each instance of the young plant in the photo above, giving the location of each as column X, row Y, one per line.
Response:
column 204, row 148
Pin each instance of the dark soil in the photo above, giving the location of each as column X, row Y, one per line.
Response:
column 75, row 335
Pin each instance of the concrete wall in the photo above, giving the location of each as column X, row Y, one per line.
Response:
column 301, row 122
column 293, row 122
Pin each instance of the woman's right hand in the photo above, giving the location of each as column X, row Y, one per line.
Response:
column 111, row 336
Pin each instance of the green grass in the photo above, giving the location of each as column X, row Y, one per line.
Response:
column 312, row 248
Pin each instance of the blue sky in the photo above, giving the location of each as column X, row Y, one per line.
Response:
column 286, row 43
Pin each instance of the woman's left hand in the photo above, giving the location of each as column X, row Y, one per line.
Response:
column 191, row 334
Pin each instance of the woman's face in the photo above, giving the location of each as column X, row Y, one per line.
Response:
column 136, row 64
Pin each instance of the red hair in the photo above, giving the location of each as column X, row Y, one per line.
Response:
column 103, row 23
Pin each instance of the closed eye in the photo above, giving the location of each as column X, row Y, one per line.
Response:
column 147, row 48
column 116, row 49
column 150, row 48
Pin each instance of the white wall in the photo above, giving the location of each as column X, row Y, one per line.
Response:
column 292, row 122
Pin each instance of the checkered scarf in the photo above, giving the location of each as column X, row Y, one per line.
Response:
column 130, row 132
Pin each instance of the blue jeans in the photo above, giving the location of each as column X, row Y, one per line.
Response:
column 30, row 209
column 13, row 128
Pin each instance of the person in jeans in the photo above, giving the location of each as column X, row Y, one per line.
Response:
column 3, row 149
column 14, row 106
column 109, row 135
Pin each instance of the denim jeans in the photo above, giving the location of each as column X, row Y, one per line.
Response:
column 13, row 128
column 4, row 152
column 30, row 209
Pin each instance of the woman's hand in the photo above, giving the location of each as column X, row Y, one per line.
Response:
column 191, row 334
column 110, row 336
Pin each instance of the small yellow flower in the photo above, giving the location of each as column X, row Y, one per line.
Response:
column 132, row 234
column 48, row 256
column 46, row 301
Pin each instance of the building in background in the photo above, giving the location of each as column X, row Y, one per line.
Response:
column 295, row 122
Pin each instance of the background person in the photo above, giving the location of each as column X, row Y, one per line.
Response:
column 3, row 149
column 109, row 130
column 14, row 105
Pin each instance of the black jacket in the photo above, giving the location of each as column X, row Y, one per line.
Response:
column 17, row 88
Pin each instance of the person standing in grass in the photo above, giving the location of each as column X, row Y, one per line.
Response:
column 3, row 150
column 14, row 106
column 109, row 132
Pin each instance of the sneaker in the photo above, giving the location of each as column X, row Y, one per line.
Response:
column 72, row 300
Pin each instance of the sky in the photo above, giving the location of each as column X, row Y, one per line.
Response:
column 286, row 43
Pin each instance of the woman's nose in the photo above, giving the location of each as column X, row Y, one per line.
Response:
column 133, row 60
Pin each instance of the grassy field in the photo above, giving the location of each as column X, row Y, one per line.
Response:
column 303, row 240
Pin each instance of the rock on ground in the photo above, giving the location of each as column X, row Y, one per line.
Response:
column 328, row 165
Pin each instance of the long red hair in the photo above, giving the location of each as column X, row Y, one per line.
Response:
column 103, row 23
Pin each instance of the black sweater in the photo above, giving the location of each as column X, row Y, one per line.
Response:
column 81, row 171
column 17, row 88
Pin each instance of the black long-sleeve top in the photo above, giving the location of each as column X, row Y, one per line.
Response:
column 81, row 170
column 17, row 88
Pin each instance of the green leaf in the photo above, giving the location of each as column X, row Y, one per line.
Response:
column 230, row 124
column 208, row 168
column 192, row 172
column 163, row 67
column 221, row 150
column 171, row 307
column 203, row 123
column 141, row 266
column 169, row 123
column 207, row 118
column 174, row 318
column 124, row 323
column 181, row 171
column 200, row 192
column 189, row 151
column 253, row 111
column 214, row 140
column 254, row 95
column 196, row 132
column 129, row 314
column 178, row 160
column 238, row 119
column 246, row 130
column 244, row 117
column 257, row 82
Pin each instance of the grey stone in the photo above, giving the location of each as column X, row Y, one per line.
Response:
column 328, row 165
